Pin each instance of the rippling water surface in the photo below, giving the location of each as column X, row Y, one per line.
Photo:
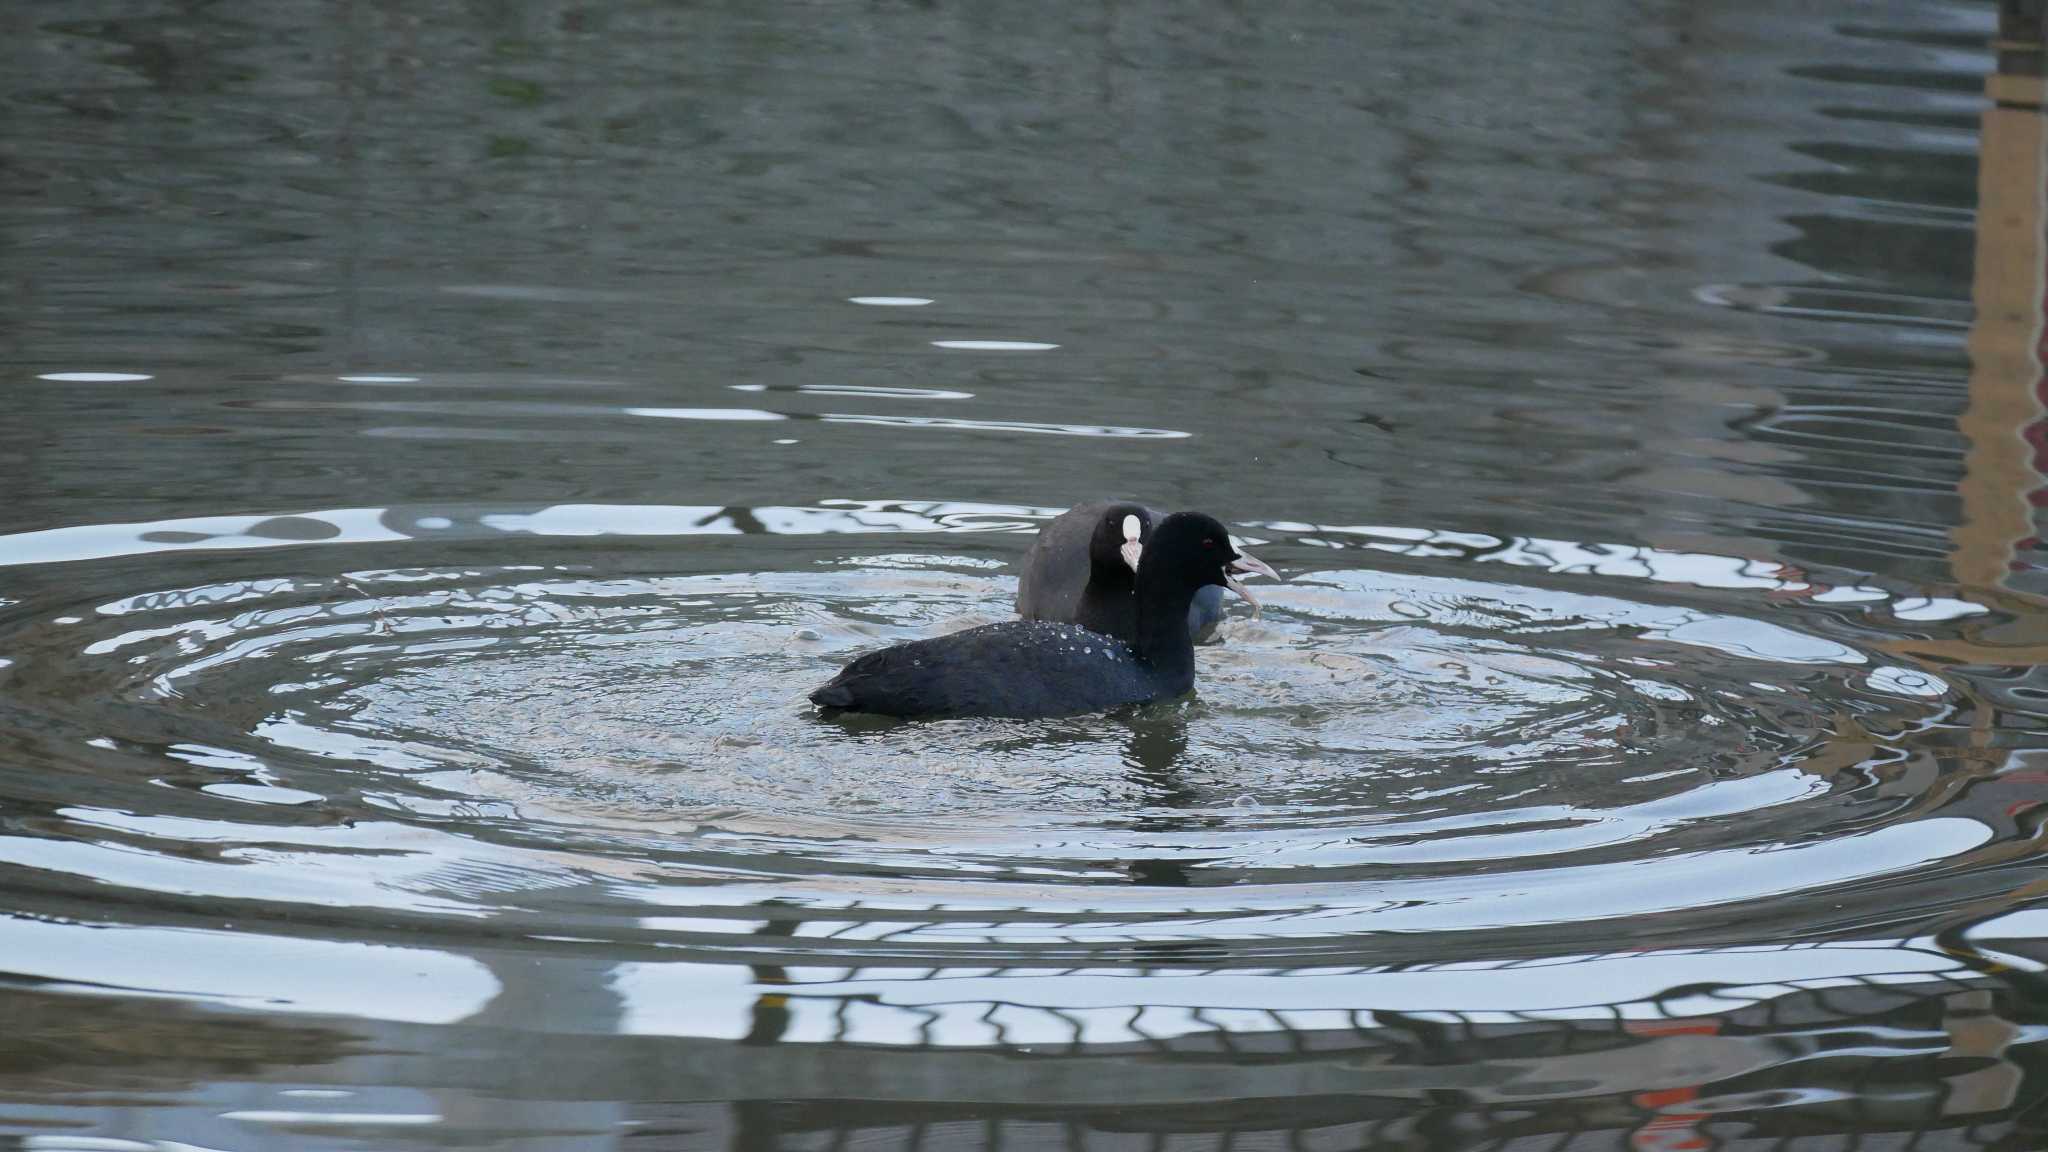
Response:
column 443, row 446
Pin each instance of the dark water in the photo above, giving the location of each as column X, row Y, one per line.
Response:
column 488, row 432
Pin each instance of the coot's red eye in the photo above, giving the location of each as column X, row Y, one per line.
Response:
column 1208, row 542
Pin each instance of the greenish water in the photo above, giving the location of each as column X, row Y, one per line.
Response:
column 442, row 445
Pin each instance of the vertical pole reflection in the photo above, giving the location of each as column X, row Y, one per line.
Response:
column 756, row 1123
column 538, row 997
column 2003, row 419
column 1978, row 1036
column 770, row 1016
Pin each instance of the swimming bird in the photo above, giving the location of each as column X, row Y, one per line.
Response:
column 1079, row 569
column 1033, row 669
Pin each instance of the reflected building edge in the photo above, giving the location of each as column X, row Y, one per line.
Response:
column 2002, row 420
column 886, row 1057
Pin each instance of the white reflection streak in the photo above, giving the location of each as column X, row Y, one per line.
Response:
column 1098, row 430
column 995, row 345
column 276, row 973
column 333, row 1119
column 368, row 525
column 706, row 413
column 883, row 393
column 947, row 1007
column 616, row 520
column 99, row 541
column 1633, row 561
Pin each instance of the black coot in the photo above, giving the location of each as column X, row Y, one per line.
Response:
column 1079, row 568
column 1030, row 669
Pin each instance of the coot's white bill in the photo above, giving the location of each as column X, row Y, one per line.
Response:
column 1248, row 563
column 1132, row 549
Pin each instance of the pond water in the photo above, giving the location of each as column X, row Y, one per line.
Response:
column 444, row 444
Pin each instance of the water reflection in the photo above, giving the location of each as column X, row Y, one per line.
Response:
column 373, row 525
column 1644, row 1048
column 1358, row 750
column 403, row 626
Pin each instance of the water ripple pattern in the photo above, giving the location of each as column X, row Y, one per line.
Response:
column 1448, row 754
column 443, row 444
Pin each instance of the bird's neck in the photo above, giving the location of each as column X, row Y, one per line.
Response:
column 1159, row 636
column 1107, row 606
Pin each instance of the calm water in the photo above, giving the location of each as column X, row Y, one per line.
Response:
column 442, row 445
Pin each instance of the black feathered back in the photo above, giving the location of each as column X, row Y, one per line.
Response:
column 1034, row 668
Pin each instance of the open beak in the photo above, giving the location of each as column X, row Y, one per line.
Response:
column 1245, row 563
column 1131, row 547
